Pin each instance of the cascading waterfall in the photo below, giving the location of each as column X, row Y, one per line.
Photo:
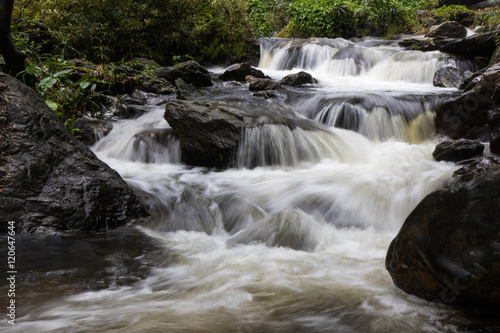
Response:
column 379, row 91
column 294, row 238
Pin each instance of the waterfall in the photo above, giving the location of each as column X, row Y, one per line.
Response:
column 280, row 145
column 338, row 58
column 291, row 239
column 146, row 139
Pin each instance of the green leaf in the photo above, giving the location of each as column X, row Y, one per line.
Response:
column 53, row 105
column 85, row 84
column 47, row 83
column 64, row 72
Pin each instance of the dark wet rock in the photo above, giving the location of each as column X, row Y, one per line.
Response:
column 265, row 84
column 184, row 90
column 298, row 79
column 494, row 127
column 208, row 133
column 467, row 116
column 49, row 180
column 190, row 71
column 495, row 58
column 481, row 45
column 448, row 30
column 84, row 132
column 130, row 111
column 455, row 151
column 425, row 43
column 448, row 249
column 238, row 72
column 449, row 77
column 481, row 62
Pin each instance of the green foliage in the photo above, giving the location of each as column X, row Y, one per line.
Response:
column 112, row 30
column 268, row 16
column 451, row 12
column 350, row 18
column 489, row 20
column 69, row 98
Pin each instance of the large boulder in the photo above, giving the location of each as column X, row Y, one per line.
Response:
column 208, row 132
column 450, row 29
column 448, row 249
column 50, row 181
column 190, row 71
column 468, row 115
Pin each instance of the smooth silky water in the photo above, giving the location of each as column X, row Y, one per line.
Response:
column 293, row 238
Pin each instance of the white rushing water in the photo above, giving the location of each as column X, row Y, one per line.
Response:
column 294, row 241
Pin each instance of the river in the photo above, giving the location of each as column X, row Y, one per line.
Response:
column 292, row 239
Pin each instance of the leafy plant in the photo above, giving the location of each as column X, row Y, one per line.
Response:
column 489, row 20
column 351, row 18
column 111, row 30
column 451, row 12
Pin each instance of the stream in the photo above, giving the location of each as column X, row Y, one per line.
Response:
column 292, row 239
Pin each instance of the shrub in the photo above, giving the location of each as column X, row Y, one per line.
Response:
column 451, row 12
column 355, row 18
column 268, row 16
column 112, row 30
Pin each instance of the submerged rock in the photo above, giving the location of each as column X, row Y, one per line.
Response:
column 49, row 180
column 291, row 228
column 448, row 249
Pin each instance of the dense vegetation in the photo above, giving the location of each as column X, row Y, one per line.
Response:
column 171, row 31
column 112, row 30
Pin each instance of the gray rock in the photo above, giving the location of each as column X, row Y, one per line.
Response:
column 449, row 77
column 49, row 180
column 448, row 30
